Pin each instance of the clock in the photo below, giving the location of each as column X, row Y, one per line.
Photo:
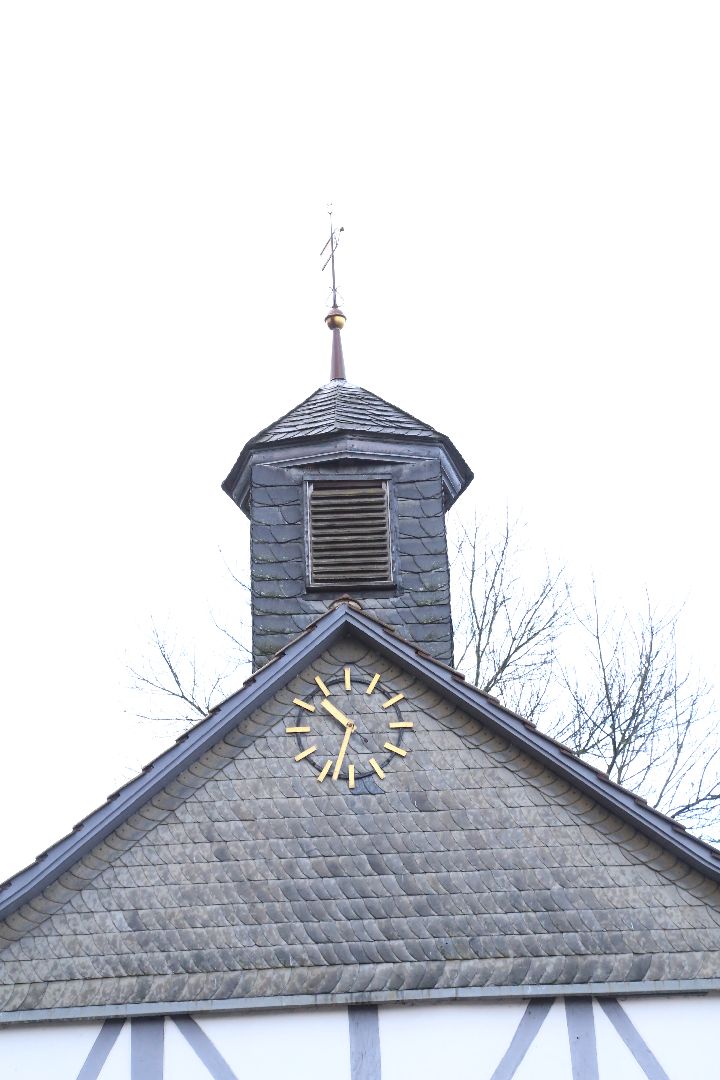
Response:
column 349, row 728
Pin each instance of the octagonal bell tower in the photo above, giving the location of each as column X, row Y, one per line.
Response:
column 347, row 494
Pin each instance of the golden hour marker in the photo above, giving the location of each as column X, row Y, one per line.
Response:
column 325, row 770
column 303, row 704
column 392, row 701
column 377, row 768
column 351, row 776
column 322, row 686
column 395, row 749
column 401, row 723
column 297, row 730
column 373, row 683
column 305, row 753
column 347, row 679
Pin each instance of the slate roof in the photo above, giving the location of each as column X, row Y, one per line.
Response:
column 491, row 860
column 342, row 408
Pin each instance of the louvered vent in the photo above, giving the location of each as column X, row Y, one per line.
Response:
column 349, row 532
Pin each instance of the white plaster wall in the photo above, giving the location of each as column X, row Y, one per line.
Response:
column 179, row 1061
column 683, row 1032
column 307, row 1045
column 469, row 1040
column 614, row 1058
column 302, row 1045
column 549, row 1053
column 117, row 1066
column 40, row 1051
column 458, row 1040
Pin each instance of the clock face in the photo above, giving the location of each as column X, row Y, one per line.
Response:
column 351, row 727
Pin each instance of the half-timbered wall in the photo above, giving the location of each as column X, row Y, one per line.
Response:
column 654, row 1037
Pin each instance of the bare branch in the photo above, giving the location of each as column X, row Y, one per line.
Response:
column 173, row 674
column 506, row 630
column 634, row 714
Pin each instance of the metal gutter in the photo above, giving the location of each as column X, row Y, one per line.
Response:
column 378, row 997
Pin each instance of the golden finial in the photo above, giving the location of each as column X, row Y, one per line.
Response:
column 335, row 318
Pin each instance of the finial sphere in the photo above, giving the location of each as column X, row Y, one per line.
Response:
column 335, row 319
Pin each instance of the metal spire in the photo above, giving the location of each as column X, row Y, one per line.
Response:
column 335, row 319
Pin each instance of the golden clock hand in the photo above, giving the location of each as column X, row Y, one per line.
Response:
column 329, row 707
column 343, row 747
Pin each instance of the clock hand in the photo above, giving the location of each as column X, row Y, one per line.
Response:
column 329, row 707
column 343, row 747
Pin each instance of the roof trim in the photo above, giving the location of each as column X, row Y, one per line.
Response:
column 337, row 446
column 160, row 772
column 299, row 654
column 377, row 997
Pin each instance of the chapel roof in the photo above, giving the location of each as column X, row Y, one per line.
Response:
column 224, row 873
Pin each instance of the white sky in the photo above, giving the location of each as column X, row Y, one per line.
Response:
column 530, row 263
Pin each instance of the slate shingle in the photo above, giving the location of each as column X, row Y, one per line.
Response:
column 473, row 865
column 341, row 406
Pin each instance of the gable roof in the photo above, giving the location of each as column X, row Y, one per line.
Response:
column 340, row 408
column 302, row 651
column 399, row 951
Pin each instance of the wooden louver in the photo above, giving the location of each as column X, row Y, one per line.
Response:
column 349, row 533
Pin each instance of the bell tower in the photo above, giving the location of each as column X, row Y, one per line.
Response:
column 346, row 495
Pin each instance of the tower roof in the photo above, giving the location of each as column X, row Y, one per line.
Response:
column 340, row 409
column 342, row 406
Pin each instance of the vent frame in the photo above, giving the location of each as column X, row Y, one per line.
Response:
column 368, row 546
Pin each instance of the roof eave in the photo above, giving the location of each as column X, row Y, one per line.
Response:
column 434, row 994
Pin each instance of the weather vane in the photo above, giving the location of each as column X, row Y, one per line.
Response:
column 332, row 244
column 335, row 318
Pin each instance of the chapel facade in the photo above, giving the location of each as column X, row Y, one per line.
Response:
column 359, row 866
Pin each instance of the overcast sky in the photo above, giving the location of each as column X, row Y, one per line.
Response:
column 530, row 263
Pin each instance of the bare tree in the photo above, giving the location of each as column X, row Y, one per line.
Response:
column 507, row 623
column 611, row 688
column 175, row 685
column 637, row 715
column 179, row 683
column 625, row 704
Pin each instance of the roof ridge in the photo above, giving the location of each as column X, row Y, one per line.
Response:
column 336, row 403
